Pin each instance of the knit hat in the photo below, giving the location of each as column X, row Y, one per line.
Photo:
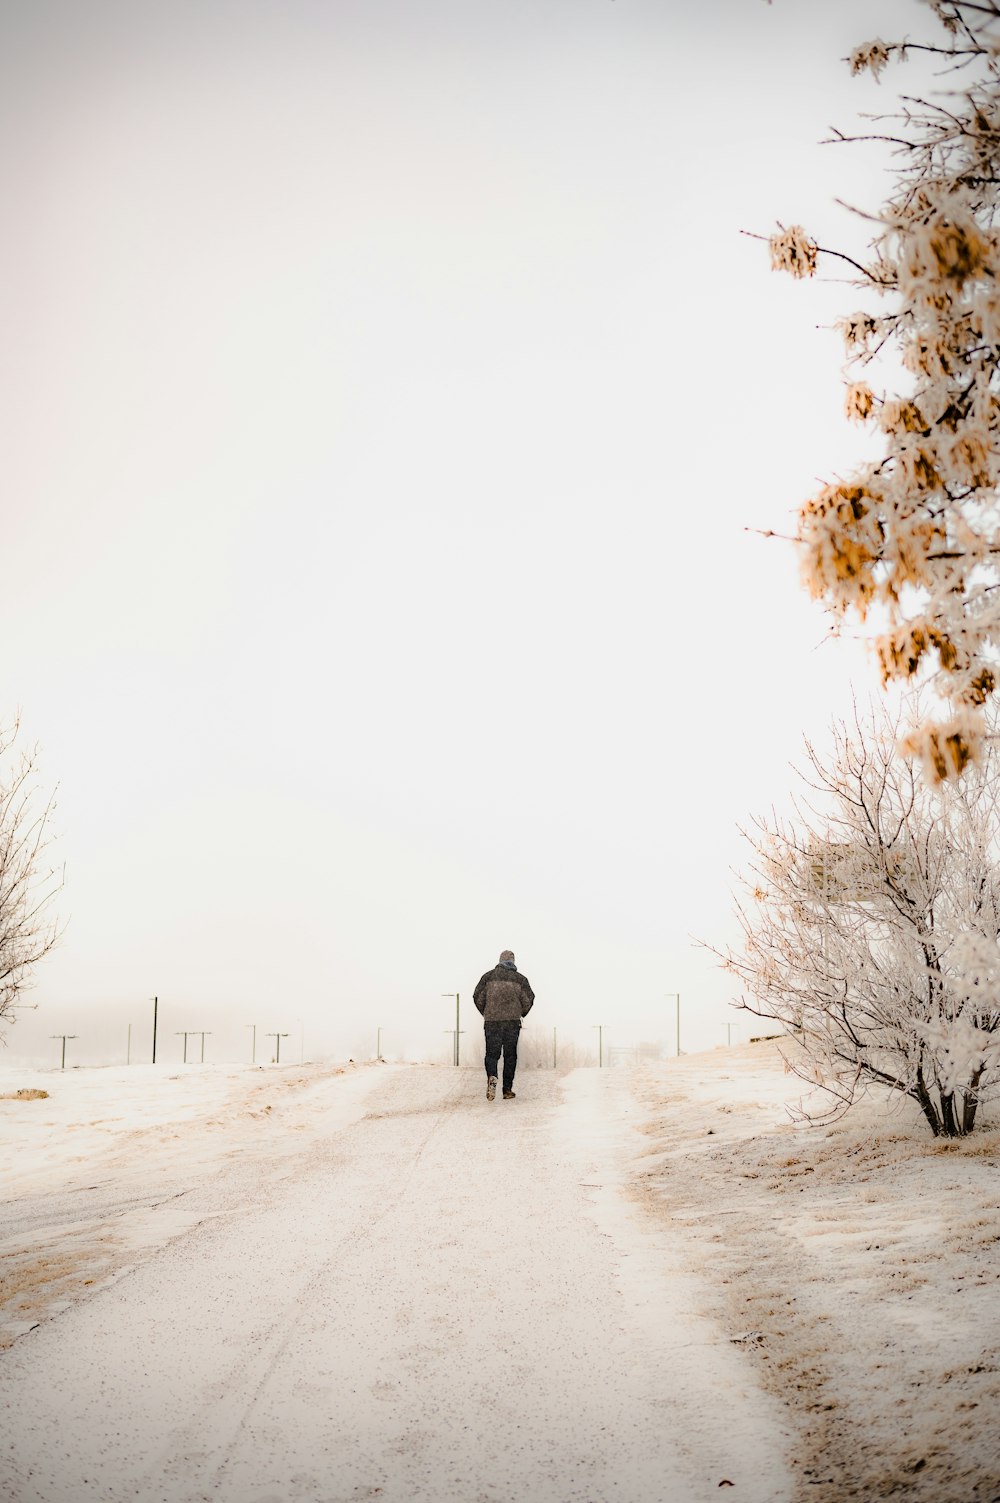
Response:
column 506, row 957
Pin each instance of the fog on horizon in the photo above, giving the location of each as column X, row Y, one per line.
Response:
column 393, row 398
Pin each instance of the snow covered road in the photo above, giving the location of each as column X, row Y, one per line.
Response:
column 436, row 1299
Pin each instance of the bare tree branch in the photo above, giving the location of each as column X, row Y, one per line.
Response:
column 28, row 883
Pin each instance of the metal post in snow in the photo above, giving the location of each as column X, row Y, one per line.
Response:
column 181, row 1033
column 600, row 1045
column 277, row 1045
column 203, row 1032
column 64, row 1037
column 451, row 1031
column 458, row 1030
column 677, row 998
column 378, row 1043
column 154, row 1002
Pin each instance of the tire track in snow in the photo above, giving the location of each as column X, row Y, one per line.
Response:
column 238, row 1392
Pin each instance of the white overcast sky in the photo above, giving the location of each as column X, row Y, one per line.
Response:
column 388, row 391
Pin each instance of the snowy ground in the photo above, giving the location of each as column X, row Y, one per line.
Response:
column 302, row 1285
column 859, row 1263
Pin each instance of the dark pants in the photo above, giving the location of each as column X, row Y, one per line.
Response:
column 502, row 1037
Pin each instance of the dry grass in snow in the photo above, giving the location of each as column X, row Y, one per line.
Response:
column 855, row 1264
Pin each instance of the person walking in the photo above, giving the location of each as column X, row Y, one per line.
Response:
column 504, row 997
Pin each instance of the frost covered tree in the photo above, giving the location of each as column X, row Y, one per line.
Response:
column 871, row 926
column 27, row 882
column 911, row 541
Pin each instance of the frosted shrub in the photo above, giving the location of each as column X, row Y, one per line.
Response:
column 911, row 543
column 871, row 927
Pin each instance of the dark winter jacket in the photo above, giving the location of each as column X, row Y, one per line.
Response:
column 503, row 995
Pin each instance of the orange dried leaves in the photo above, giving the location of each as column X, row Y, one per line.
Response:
column 947, row 749
column 842, row 538
column 859, row 401
column 793, row 251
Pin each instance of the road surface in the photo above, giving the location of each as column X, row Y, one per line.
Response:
column 445, row 1299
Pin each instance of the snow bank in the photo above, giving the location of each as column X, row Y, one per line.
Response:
column 108, row 1167
column 855, row 1266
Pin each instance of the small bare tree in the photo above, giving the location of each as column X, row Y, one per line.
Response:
column 872, row 927
column 27, row 882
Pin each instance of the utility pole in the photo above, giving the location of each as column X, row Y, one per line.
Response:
column 185, row 1034
column 600, row 1044
column 677, row 998
column 154, row 1002
column 64, row 1037
column 203, row 1032
column 253, row 1043
column 729, row 1033
column 277, row 1045
column 378, row 1043
column 458, row 1030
